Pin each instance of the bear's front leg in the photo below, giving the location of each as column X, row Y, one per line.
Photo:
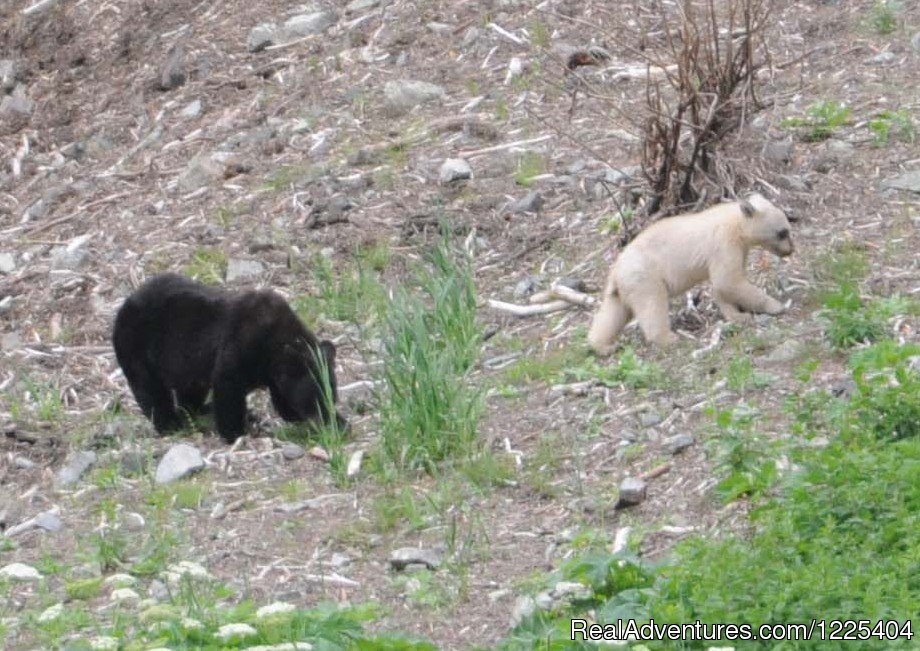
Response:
column 229, row 406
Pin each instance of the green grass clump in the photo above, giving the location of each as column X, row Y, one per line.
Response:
column 529, row 166
column 897, row 124
column 836, row 541
column 821, row 120
column 882, row 17
column 429, row 411
column 354, row 295
column 208, row 266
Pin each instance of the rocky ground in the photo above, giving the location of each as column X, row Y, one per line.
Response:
column 243, row 142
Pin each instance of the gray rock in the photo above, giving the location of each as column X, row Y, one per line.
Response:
column 845, row 388
column 531, row 202
column 181, row 460
column 526, row 286
column 7, row 75
column 172, row 73
column 678, row 443
column 292, row 451
column 74, row 466
column 909, row 181
column 524, row 607
column 570, row 591
column 192, row 109
column 454, row 169
column 789, row 350
column 400, row 558
column 649, row 418
column 202, row 170
column 913, row 364
column 915, row 41
column 16, row 106
column 261, row 36
column 794, row 183
column 7, row 264
column 49, row 521
column 616, row 176
column 10, row 341
column 632, row 492
column 19, row 572
column 881, row 58
column 72, row 256
column 306, row 24
column 241, row 269
column 361, row 5
column 778, row 151
column 21, row 463
column 401, row 96
column 577, row 167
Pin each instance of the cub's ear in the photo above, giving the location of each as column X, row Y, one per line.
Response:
column 328, row 350
column 747, row 209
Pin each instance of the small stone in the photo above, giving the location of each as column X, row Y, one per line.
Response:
column 632, row 492
column 49, row 521
column 531, row 202
column 526, row 286
column 400, row 96
column 678, row 443
column 7, row 264
column 172, row 74
column 308, row 24
column 788, row 351
column 361, row 5
column 7, row 75
column 915, row 41
column 134, row 521
column 10, row 341
column 881, row 58
column 909, row 181
column 21, row 463
column 400, row 558
column 572, row 282
column 16, row 106
column 75, row 465
column 175, row 573
column 845, row 389
column 202, row 170
column 181, row 460
column 192, row 109
column 778, row 151
column 72, row 256
column 276, row 608
column 261, row 36
column 120, row 580
column 615, row 176
column 51, row 613
column 339, row 560
column 354, row 463
column 793, row 183
column 158, row 590
column 19, row 572
column 104, row 643
column 649, row 418
column 229, row 632
column 292, row 451
column 454, row 169
column 544, row 601
column 524, row 607
column 125, row 597
column 238, row 269
column 571, row 590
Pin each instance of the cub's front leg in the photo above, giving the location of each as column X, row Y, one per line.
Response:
column 748, row 297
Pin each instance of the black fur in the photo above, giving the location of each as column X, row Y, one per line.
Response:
column 176, row 339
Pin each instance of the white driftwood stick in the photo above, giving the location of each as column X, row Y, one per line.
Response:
column 330, row 579
column 507, row 145
column 562, row 293
column 713, row 343
column 504, row 32
column 529, row 310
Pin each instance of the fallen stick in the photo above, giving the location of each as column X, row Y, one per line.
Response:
column 657, row 471
column 563, row 293
column 529, row 310
column 507, row 145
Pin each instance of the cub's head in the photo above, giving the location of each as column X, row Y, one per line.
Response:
column 303, row 386
column 766, row 225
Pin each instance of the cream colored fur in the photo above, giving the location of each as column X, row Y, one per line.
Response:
column 674, row 254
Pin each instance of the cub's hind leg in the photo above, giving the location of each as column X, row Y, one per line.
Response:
column 651, row 308
column 609, row 320
column 153, row 397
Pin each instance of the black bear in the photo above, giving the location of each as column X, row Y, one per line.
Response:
column 176, row 339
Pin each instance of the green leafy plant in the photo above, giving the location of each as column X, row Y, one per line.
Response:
column 743, row 456
column 897, row 124
column 207, row 266
column 882, row 17
column 529, row 165
column 429, row 412
column 821, row 120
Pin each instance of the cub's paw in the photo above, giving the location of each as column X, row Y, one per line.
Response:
column 774, row 307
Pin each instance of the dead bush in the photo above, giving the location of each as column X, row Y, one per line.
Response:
column 705, row 88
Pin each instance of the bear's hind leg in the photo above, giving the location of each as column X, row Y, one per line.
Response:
column 651, row 309
column 609, row 320
column 153, row 397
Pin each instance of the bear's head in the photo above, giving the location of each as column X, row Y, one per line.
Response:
column 303, row 386
column 766, row 225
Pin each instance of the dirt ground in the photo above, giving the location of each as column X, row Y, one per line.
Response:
column 315, row 162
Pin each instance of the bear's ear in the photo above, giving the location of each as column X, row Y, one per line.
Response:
column 328, row 349
column 747, row 208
